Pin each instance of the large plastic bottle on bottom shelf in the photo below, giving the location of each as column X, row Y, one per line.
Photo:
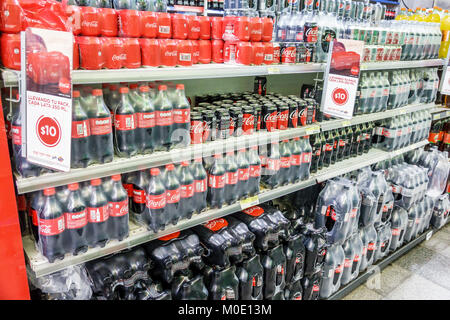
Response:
column 293, row 291
column 294, row 250
column 222, row 284
column 250, row 273
column 315, row 249
column 311, row 286
column 274, row 264
column 369, row 239
column 189, row 288
column 384, row 237
column 399, row 221
column 332, row 270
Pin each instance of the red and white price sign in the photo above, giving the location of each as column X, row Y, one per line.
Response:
column 48, row 98
column 341, row 78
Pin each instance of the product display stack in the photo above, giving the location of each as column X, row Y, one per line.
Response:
column 204, row 150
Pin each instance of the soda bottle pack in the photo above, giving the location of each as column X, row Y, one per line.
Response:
column 69, row 219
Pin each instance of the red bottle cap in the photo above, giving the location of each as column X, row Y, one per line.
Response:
column 113, row 87
column 162, row 88
column 144, row 89
column 123, row 90
column 185, row 163
column 180, row 86
column 96, row 182
column 49, row 191
column 116, row 177
column 72, row 186
column 154, row 171
column 285, row 140
column 134, row 86
column 198, row 160
column 76, row 94
column 97, row 92
column 170, row 167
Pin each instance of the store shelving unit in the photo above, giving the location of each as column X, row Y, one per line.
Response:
column 440, row 113
column 39, row 266
column 210, row 71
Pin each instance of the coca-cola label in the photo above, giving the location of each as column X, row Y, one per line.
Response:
column 371, row 246
column 341, row 143
column 273, row 164
column 296, row 159
column 125, row 122
column 395, row 232
column 283, row 118
column 76, row 220
column 170, row 236
column 315, row 288
column 285, row 162
column 328, row 147
column 100, row 126
column 51, row 227
column 163, row 118
column 243, row 174
column 139, row 196
column 356, row 258
column 306, row 157
column 216, row 224
column 80, row 129
column 255, row 171
column 200, row 185
column 145, row 119
column 173, row 196
column 216, row 181
column 288, row 54
column 347, row 263
column 129, row 188
column 231, row 178
column 89, row 24
column 339, row 268
column 255, row 211
column 118, row 209
column 248, row 123
column 196, row 132
column 100, row 214
column 270, row 119
column 187, row 191
column 156, row 201
column 310, row 33
column 16, row 135
column 181, row 115
column 34, row 217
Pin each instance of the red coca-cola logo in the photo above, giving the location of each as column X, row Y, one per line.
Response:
column 120, row 57
column 89, row 24
column 197, row 127
column 312, row 33
column 217, row 224
column 170, row 53
column 255, row 211
column 150, row 25
column 270, row 117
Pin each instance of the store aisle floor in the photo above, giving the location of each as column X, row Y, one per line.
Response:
column 421, row 274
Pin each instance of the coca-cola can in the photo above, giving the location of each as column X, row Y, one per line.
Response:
column 288, row 53
column 293, row 115
column 310, row 33
column 209, row 126
column 276, row 53
column 248, row 119
column 113, row 52
column 196, row 128
column 269, row 117
column 282, row 117
column 304, row 53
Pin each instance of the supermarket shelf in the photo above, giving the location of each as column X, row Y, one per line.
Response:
column 401, row 64
column 123, row 165
column 39, row 266
column 375, row 269
column 209, row 71
column 339, row 123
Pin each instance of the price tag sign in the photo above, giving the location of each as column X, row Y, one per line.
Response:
column 312, row 130
column 273, row 70
column 346, row 123
column 48, row 97
column 429, row 234
column 249, row 202
column 341, row 78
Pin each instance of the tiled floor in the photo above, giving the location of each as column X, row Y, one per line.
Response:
column 421, row 274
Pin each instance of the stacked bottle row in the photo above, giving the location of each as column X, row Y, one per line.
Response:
column 440, row 134
column 380, row 91
column 251, row 255
column 322, row 21
column 69, row 219
column 166, row 196
column 401, row 131
column 220, row 116
column 336, row 145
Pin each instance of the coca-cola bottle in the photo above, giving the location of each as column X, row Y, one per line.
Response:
column 112, row 98
column 272, row 168
column 22, row 166
column 306, row 158
column 216, row 182
column 255, row 171
column 163, row 120
column 51, row 227
column 173, row 194
column 285, row 163
column 36, row 203
column 98, row 215
column 138, row 204
column 328, row 149
column 296, row 160
column 118, row 209
column 200, row 185
column 79, row 157
column 125, row 126
column 187, row 185
column 127, row 182
column 154, row 215
column 343, row 145
column 231, row 180
column 335, row 146
column 145, row 115
column 181, row 118
column 315, row 153
column 76, row 218
column 101, row 147
column 243, row 173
